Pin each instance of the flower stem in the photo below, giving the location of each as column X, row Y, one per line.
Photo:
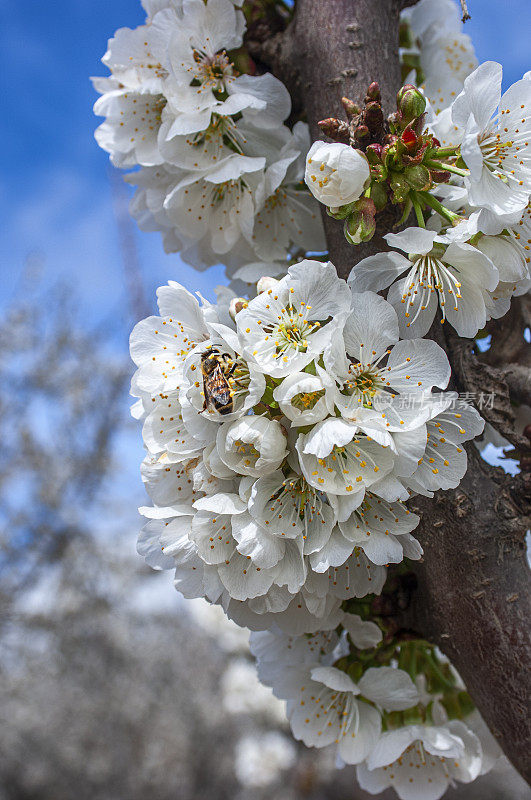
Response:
column 418, row 210
column 443, row 152
column 432, row 201
column 446, row 168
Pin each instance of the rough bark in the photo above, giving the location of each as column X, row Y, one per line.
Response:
column 472, row 596
column 343, row 46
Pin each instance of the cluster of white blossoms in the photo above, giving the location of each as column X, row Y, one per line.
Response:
column 284, row 435
column 440, row 56
column 221, row 176
column 282, row 445
column 345, row 689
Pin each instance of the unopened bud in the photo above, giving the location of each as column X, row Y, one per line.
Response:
column 361, row 224
column 410, row 102
column 373, row 116
column 373, row 92
column 400, row 188
column 351, row 109
column 418, row 177
column 236, row 305
column 335, row 129
column 361, row 132
column 340, row 212
column 265, row 283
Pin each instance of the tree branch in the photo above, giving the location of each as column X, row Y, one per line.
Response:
column 472, row 595
column 490, row 383
column 464, row 11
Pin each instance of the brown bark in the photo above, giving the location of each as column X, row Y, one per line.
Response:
column 343, row 46
column 472, row 597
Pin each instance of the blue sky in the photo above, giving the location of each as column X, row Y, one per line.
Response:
column 55, row 196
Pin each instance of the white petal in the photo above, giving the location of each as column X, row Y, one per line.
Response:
column 390, row 688
column 364, row 634
column 412, row 240
column 377, row 272
column 370, row 328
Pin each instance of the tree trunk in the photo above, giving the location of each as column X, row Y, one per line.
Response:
column 472, row 597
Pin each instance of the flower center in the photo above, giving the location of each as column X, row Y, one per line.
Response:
column 426, row 276
column 363, row 380
column 320, row 173
column 297, row 497
column 247, row 451
column 275, row 200
column 212, row 71
column 307, row 400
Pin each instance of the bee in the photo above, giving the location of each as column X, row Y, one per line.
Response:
column 217, row 369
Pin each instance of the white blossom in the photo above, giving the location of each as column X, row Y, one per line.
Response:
column 383, row 530
column 325, row 710
column 305, row 398
column 454, row 276
column 252, row 445
column 374, row 370
column 495, row 145
column 446, row 59
column 284, row 329
column 160, row 345
column 422, row 761
column 336, row 173
column 288, row 216
column 444, row 460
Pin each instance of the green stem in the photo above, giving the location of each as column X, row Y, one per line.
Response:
column 443, row 152
column 432, row 201
column 418, row 211
column 407, row 211
column 446, row 168
column 435, row 668
column 412, row 666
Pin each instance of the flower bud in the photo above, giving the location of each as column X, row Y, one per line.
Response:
column 410, row 102
column 361, row 133
column 400, row 188
column 265, row 283
column 418, row 177
column 335, row 129
column 373, row 116
column 361, row 224
column 373, row 92
column 340, row 212
column 351, row 109
column 336, row 174
column 236, row 305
